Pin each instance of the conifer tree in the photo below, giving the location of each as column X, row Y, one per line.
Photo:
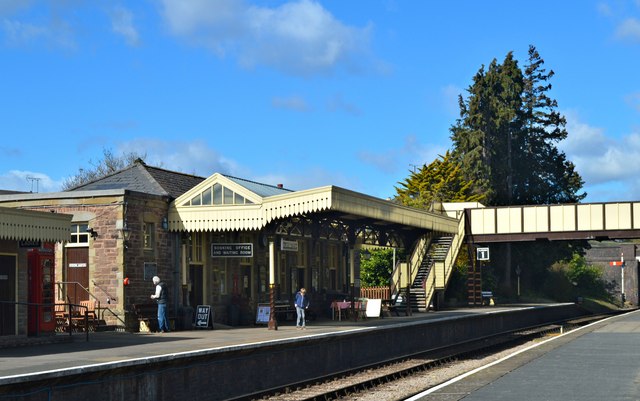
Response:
column 507, row 134
column 506, row 141
column 440, row 181
column 545, row 174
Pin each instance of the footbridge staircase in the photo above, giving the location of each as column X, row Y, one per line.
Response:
column 428, row 269
column 420, row 281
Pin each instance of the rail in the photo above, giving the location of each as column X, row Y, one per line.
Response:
column 63, row 291
column 366, row 379
column 104, row 310
column 38, row 307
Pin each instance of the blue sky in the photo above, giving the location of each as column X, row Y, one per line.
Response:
column 304, row 93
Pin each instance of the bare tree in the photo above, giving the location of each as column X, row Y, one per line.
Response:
column 109, row 164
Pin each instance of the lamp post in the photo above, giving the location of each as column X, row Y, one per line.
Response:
column 273, row 323
column 352, row 272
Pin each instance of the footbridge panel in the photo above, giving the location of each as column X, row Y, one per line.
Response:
column 555, row 222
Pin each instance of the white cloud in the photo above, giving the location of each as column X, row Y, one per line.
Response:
column 300, row 37
column 413, row 152
column 629, row 29
column 197, row 157
column 122, row 24
column 306, row 178
column 28, row 181
column 295, row 103
column 194, row 157
column 337, row 103
column 603, row 162
column 604, row 9
column 57, row 34
column 20, row 33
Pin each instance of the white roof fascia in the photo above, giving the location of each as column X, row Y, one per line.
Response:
column 255, row 217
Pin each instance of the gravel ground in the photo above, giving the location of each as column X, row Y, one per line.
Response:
column 405, row 388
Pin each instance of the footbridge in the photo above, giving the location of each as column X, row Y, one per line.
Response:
column 588, row 221
column 429, row 267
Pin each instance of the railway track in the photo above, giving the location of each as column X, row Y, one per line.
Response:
column 349, row 384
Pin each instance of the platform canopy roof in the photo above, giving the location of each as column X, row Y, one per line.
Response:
column 28, row 225
column 223, row 203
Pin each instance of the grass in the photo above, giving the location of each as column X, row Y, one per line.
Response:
column 598, row 306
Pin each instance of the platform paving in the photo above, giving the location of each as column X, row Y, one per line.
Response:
column 119, row 347
column 597, row 362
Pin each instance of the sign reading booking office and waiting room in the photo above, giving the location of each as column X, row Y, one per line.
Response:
column 287, row 245
column 240, row 250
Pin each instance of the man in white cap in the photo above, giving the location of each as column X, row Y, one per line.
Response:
column 161, row 296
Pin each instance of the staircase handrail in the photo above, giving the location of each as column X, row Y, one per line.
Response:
column 112, row 313
column 454, row 249
column 430, row 282
column 394, row 285
column 417, row 256
column 77, row 284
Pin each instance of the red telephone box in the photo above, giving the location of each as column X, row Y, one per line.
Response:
column 41, row 267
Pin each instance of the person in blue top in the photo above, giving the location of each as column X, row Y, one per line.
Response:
column 302, row 303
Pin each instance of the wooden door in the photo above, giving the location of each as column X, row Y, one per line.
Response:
column 77, row 274
column 7, row 294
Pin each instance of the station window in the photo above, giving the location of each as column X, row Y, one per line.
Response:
column 79, row 235
column 148, row 235
column 333, row 256
column 196, row 250
column 302, row 253
column 217, row 195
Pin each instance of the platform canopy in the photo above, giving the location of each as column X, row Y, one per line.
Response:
column 223, row 203
column 28, row 225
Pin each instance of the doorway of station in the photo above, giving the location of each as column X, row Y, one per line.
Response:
column 301, row 283
column 196, row 279
column 8, row 295
column 77, row 275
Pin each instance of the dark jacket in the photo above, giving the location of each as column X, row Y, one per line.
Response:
column 164, row 295
column 302, row 301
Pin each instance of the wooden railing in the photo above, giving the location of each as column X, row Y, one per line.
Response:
column 375, row 292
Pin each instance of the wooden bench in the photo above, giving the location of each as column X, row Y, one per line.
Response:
column 70, row 317
column 147, row 315
column 90, row 308
column 63, row 322
column 488, row 298
column 389, row 307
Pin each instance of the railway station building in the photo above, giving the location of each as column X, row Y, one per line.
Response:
column 237, row 245
column 27, row 241
column 220, row 241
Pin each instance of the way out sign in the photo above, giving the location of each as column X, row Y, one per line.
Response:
column 204, row 319
column 482, row 254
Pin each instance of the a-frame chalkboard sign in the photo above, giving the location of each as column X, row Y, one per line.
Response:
column 204, row 317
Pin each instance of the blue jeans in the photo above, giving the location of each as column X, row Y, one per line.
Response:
column 300, row 316
column 163, row 325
